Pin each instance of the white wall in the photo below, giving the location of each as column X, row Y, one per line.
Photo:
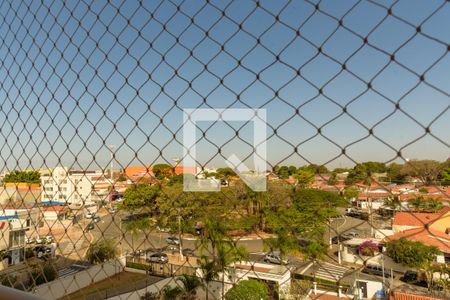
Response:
column 69, row 284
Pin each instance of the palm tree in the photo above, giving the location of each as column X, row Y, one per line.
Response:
column 170, row 292
column 210, row 272
column 190, row 285
column 228, row 253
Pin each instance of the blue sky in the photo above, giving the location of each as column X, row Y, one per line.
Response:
column 78, row 77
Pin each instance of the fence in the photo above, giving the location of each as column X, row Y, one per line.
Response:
column 173, row 123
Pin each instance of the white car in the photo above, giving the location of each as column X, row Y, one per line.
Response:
column 274, row 258
column 89, row 215
column 48, row 239
column 29, row 240
column 40, row 240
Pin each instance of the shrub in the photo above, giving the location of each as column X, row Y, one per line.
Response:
column 101, row 251
column 43, row 273
column 248, row 290
column 368, row 248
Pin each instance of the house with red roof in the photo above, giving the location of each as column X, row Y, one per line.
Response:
column 432, row 229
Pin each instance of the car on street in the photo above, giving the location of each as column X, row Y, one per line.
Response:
column 188, row 252
column 112, row 211
column 162, row 229
column 274, row 258
column 48, row 239
column 29, row 240
column 88, row 215
column 96, row 219
column 172, row 248
column 157, row 257
column 376, row 270
column 358, row 215
column 171, row 240
column 344, row 237
column 90, row 226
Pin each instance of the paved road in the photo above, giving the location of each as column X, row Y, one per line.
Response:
column 109, row 227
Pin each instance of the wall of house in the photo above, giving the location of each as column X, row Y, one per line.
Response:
column 378, row 260
column 442, row 224
column 400, row 228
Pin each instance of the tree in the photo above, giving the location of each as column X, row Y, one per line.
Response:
column 163, row 171
column 43, row 273
column 426, row 170
column 413, row 254
column 210, row 272
column 101, row 251
column 318, row 169
column 179, row 210
column 171, row 292
column 394, row 173
column 304, row 177
column 420, row 204
column 332, row 180
column 140, row 196
column 136, row 226
column 23, row 176
column 190, row 285
column 248, row 290
column 357, row 174
column 351, row 192
column 444, row 176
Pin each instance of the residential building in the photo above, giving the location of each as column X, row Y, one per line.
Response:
column 14, row 223
column 69, row 186
column 432, row 229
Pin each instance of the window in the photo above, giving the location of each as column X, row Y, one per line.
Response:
column 17, row 238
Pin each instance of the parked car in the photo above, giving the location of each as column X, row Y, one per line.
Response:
column 96, row 219
column 48, row 239
column 157, row 257
column 89, row 215
column 90, row 226
column 376, row 270
column 274, row 258
column 171, row 240
column 112, row 210
column 172, row 248
column 358, row 214
column 162, row 229
column 413, row 277
column 29, row 240
column 40, row 240
column 188, row 252
column 138, row 252
column 43, row 251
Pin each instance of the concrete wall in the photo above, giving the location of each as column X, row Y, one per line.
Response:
column 69, row 284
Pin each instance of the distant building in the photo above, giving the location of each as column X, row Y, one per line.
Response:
column 69, row 186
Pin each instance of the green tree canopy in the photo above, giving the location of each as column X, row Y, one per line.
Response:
column 23, row 176
column 163, row 171
column 426, row 170
column 140, row 196
column 411, row 253
column 248, row 290
column 101, row 251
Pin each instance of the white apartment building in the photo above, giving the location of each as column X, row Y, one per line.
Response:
column 70, row 186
